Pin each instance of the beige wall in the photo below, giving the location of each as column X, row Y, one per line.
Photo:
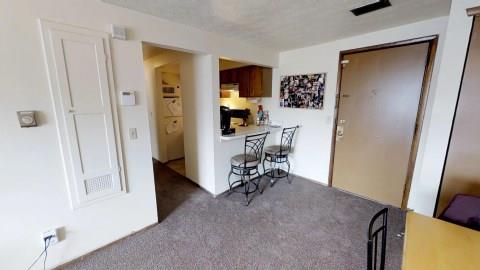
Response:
column 312, row 154
column 170, row 78
column 35, row 199
column 438, row 122
column 311, row 158
column 225, row 64
column 197, row 79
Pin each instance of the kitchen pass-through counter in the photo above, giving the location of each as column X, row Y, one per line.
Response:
column 242, row 132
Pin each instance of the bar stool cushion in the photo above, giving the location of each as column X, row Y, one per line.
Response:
column 274, row 150
column 239, row 160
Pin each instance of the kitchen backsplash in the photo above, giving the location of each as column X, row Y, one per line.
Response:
column 236, row 102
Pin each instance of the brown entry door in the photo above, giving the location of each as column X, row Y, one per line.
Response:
column 379, row 100
column 462, row 168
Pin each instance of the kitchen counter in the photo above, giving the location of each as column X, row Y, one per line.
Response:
column 242, row 132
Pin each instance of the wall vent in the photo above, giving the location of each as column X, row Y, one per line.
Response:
column 97, row 184
column 371, row 7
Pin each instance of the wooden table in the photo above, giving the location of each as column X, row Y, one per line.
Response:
column 438, row 245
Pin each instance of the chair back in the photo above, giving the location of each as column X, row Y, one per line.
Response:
column 372, row 245
column 286, row 140
column 254, row 147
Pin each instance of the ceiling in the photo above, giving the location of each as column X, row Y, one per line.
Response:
column 287, row 24
column 150, row 51
column 225, row 64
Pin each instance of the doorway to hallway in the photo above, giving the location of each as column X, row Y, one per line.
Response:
column 164, row 80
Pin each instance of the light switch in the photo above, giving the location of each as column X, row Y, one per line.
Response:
column 132, row 133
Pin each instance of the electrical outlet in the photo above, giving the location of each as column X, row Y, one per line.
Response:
column 53, row 234
column 133, row 133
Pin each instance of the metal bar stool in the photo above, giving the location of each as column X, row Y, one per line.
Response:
column 277, row 155
column 246, row 165
column 372, row 243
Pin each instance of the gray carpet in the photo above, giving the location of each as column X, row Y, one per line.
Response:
column 302, row 225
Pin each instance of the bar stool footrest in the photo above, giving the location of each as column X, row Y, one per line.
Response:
column 233, row 186
column 276, row 173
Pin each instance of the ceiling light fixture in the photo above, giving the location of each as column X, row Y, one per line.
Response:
column 371, row 7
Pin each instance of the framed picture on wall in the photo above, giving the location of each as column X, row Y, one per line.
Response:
column 302, row 91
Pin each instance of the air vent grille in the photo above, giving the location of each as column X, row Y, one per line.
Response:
column 98, row 184
column 371, row 7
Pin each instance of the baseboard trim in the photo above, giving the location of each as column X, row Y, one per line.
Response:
column 313, row 181
column 61, row 266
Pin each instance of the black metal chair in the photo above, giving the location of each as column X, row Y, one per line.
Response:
column 278, row 154
column 372, row 244
column 246, row 165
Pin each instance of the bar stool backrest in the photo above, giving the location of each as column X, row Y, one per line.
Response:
column 254, row 147
column 372, row 244
column 286, row 140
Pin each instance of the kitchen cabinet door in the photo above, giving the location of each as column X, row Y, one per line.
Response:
column 233, row 75
column 255, row 77
column 225, row 76
column 251, row 80
column 244, row 81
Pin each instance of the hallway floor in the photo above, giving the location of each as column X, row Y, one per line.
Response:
column 178, row 165
column 302, row 225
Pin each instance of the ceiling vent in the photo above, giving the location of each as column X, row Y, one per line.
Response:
column 371, row 7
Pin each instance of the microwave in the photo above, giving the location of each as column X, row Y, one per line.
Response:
column 171, row 91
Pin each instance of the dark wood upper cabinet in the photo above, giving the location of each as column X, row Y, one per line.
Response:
column 256, row 82
column 225, row 76
column 253, row 81
column 243, row 81
column 234, row 75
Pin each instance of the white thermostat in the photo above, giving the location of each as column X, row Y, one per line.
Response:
column 127, row 98
column 27, row 119
column 119, row 32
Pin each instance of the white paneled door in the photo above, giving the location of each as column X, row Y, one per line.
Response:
column 79, row 76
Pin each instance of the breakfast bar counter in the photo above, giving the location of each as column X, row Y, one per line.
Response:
column 242, row 132
column 234, row 144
